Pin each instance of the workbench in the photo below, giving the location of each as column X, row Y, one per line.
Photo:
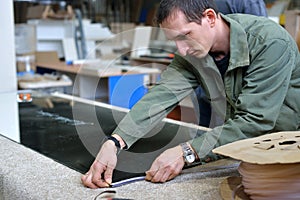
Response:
column 26, row 174
column 37, row 81
column 49, row 161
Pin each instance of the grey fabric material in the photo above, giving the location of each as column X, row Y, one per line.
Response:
column 26, row 174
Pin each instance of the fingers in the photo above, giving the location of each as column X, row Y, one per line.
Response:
column 150, row 174
column 99, row 181
column 158, row 176
column 108, row 175
column 100, row 173
column 93, row 181
column 86, row 179
column 93, row 178
column 161, row 175
column 166, row 166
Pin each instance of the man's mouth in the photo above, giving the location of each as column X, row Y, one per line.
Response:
column 192, row 52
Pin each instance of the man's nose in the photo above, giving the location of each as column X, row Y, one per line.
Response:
column 182, row 48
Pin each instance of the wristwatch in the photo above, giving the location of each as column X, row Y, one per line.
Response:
column 188, row 154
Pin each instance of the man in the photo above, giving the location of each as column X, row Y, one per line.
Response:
column 253, row 7
column 248, row 66
column 207, row 116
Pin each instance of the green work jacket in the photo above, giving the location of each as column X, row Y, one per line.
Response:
column 260, row 92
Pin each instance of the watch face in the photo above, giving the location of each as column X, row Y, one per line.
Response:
column 190, row 158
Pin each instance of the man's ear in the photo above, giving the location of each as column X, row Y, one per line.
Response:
column 211, row 16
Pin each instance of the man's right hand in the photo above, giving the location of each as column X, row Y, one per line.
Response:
column 100, row 172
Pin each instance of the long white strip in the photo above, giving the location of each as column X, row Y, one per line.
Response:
column 104, row 105
column 127, row 181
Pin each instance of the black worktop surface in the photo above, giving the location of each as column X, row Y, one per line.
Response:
column 72, row 132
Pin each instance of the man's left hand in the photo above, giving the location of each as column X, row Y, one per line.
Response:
column 166, row 166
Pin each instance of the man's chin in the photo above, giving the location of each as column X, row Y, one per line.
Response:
column 198, row 55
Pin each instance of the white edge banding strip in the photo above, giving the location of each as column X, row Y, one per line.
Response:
column 104, row 105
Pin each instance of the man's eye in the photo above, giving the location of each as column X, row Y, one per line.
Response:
column 182, row 37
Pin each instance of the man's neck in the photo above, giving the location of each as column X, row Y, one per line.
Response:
column 218, row 55
column 222, row 44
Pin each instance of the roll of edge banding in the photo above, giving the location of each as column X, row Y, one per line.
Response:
column 269, row 168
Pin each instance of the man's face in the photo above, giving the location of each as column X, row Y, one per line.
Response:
column 191, row 38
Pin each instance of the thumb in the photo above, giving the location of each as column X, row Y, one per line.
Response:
column 108, row 175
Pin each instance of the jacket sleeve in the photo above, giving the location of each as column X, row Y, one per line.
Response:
column 175, row 84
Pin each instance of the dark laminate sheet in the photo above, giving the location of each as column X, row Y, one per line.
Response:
column 72, row 132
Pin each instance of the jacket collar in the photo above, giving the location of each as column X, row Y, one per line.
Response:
column 239, row 51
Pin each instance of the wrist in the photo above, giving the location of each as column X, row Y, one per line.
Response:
column 189, row 154
column 115, row 142
column 112, row 144
column 118, row 141
column 196, row 154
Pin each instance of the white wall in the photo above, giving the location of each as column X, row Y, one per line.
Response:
column 9, row 120
column 7, row 48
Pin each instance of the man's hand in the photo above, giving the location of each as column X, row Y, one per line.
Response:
column 100, row 173
column 166, row 166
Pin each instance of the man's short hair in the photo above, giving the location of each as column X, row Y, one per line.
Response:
column 192, row 9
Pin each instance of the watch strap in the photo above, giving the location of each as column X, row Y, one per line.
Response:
column 117, row 143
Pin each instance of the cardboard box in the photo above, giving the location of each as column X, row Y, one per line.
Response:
column 27, row 62
column 46, row 57
column 35, row 12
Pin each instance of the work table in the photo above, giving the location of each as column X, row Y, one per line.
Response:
column 26, row 174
